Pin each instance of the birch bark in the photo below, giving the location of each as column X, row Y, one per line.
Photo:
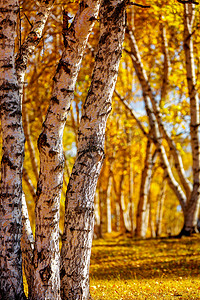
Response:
column 157, row 126
column 27, row 243
column 147, row 92
column 143, row 209
column 78, row 231
column 191, row 212
column 34, row 37
column 46, row 277
column 160, row 205
column 11, row 283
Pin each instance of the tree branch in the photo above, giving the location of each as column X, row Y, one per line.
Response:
column 139, row 5
column 127, row 105
column 188, row 1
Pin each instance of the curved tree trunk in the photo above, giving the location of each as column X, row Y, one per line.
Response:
column 78, row 231
column 11, row 283
column 46, row 276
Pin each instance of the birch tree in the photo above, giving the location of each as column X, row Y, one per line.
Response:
column 11, row 283
column 43, row 276
column 143, row 207
column 46, row 277
column 79, row 209
column 186, row 192
column 191, row 213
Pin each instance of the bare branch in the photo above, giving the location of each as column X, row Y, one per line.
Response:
column 139, row 5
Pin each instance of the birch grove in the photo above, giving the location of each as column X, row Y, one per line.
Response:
column 43, row 276
column 93, row 141
column 189, row 197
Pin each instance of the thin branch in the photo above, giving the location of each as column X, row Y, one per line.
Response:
column 28, row 21
column 139, row 5
column 127, row 105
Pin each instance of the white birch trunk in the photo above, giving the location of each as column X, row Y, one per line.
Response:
column 27, row 243
column 11, row 282
column 34, row 37
column 117, row 217
column 101, row 212
column 166, row 66
column 108, row 205
column 160, row 205
column 143, row 205
column 191, row 212
column 97, row 215
column 151, row 221
column 156, row 126
column 46, row 277
column 78, row 231
column 147, row 92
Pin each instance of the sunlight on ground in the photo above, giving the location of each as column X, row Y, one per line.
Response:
column 124, row 268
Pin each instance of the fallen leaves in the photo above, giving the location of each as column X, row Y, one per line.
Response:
column 152, row 269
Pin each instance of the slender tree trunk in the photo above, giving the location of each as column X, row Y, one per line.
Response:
column 156, row 126
column 101, row 212
column 120, row 198
column 46, row 277
column 97, row 215
column 131, row 188
column 143, row 205
column 108, row 205
column 11, row 283
column 79, row 221
column 160, row 204
column 192, row 207
column 27, row 244
column 131, row 182
column 117, row 217
column 151, row 221
column 166, row 66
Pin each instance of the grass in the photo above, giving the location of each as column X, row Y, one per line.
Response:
column 123, row 268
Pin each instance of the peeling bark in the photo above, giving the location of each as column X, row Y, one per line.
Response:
column 33, row 39
column 46, row 277
column 11, row 283
column 78, row 231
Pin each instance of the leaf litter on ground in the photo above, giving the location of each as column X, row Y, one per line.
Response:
column 165, row 268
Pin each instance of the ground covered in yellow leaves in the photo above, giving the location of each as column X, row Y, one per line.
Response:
column 124, row 268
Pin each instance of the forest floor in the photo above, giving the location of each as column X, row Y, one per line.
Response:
column 124, row 268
